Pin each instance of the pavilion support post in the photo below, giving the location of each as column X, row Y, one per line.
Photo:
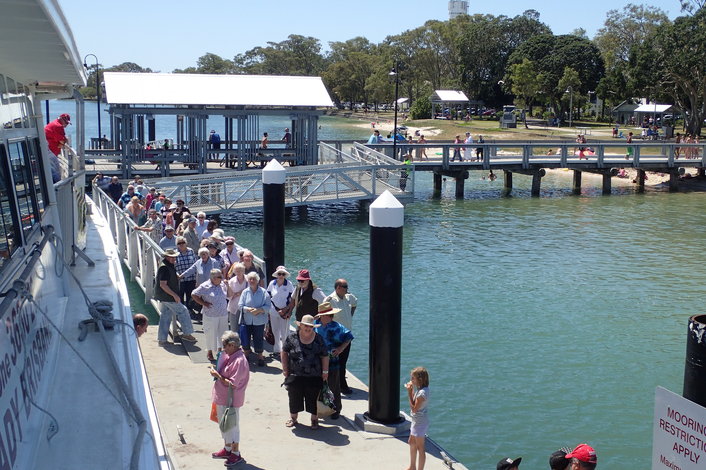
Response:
column 151, row 130
column 700, row 172
column 437, row 184
column 577, row 182
column 606, row 183
column 673, row 180
column 640, row 179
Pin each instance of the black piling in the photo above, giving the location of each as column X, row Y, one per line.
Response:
column 507, row 188
column 273, row 178
column 606, row 183
column 437, row 184
column 695, row 369
column 537, row 181
column 386, row 221
column 640, row 179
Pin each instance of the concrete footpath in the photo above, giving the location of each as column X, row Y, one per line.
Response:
column 182, row 396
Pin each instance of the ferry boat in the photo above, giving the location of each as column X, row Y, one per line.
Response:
column 73, row 388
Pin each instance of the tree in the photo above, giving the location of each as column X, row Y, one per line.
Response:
column 421, row 109
column 692, row 6
column 297, row 55
column 670, row 64
column 350, row 65
column 525, row 83
column 210, row 63
column 624, row 30
column 553, row 54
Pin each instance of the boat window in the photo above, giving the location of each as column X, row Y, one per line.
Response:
column 23, row 181
column 8, row 233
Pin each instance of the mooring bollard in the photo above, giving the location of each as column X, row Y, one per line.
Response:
column 273, row 178
column 695, row 368
column 386, row 220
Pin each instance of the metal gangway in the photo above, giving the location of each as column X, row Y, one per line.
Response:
column 361, row 173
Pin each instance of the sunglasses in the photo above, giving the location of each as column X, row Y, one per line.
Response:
column 345, row 286
column 281, row 274
column 181, row 243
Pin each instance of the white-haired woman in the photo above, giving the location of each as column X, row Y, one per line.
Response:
column 212, row 295
column 202, row 267
column 231, row 376
column 237, row 284
column 254, row 304
column 281, row 290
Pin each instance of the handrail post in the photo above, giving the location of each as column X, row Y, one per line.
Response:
column 601, row 156
column 525, row 157
column 636, row 157
column 445, row 157
column 564, row 151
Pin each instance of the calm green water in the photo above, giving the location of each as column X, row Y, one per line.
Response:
column 544, row 322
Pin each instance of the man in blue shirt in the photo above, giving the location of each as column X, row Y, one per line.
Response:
column 337, row 338
column 375, row 138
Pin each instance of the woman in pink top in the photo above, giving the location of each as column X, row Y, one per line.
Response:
column 232, row 372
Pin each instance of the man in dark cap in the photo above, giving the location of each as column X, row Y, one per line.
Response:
column 558, row 460
column 508, row 464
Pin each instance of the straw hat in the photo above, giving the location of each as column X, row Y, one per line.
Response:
column 281, row 269
column 326, row 309
column 307, row 320
column 171, row 252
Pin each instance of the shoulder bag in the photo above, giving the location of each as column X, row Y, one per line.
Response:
column 230, row 416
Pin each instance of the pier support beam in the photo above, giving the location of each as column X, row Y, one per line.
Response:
column 537, row 182
column 507, row 186
column 273, row 178
column 700, row 172
column 673, row 181
column 606, row 183
column 695, row 368
column 640, row 180
column 577, row 182
column 437, row 184
column 460, row 179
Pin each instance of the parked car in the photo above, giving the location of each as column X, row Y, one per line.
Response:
column 489, row 112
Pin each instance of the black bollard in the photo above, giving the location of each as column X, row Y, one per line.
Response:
column 273, row 178
column 386, row 221
column 695, row 369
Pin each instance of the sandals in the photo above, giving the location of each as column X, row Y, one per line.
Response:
column 291, row 423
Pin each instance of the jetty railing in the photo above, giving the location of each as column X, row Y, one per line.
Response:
column 551, row 154
column 340, row 177
column 137, row 250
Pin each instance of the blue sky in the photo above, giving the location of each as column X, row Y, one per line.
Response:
column 165, row 35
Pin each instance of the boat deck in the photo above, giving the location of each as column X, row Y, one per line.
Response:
column 182, row 395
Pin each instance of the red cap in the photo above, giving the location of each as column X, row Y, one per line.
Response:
column 65, row 116
column 303, row 275
column 584, row 453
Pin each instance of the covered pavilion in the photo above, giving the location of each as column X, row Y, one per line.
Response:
column 452, row 99
column 193, row 99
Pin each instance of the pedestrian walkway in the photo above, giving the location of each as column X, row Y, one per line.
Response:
column 182, row 395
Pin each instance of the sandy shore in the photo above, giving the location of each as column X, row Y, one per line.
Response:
column 385, row 127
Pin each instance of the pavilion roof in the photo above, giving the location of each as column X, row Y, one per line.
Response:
column 215, row 90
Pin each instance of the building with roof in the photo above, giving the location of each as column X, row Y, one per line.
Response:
column 135, row 99
column 449, row 99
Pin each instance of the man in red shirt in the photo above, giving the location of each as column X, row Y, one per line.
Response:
column 54, row 131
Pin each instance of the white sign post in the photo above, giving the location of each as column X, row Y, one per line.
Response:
column 679, row 435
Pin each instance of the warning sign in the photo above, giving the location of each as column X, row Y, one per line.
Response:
column 679, row 435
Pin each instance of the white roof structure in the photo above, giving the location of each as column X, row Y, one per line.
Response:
column 214, row 90
column 46, row 52
column 651, row 108
column 449, row 96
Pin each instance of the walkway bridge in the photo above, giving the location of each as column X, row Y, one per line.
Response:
column 361, row 174
column 533, row 158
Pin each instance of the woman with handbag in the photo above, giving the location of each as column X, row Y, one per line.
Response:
column 305, row 367
column 231, row 376
column 281, row 291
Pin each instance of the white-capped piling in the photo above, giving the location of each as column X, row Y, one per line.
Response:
column 273, row 179
column 695, row 368
column 386, row 221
